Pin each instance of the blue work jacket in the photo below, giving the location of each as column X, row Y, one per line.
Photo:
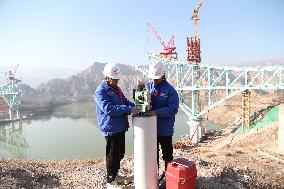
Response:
column 165, row 102
column 111, row 110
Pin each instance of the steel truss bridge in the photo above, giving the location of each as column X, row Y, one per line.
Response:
column 203, row 87
column 12, row 93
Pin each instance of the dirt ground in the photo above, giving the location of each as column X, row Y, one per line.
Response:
column 247, row 160
column 224, row 160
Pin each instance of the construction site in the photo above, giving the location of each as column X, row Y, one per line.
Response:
column 10, row 96
column 248, row 153
column 224, row 159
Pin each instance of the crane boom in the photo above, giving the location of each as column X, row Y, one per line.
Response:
column 156, row 34
column 12, row 74
column 171, row 42
column 169, row 49
column 16, row 70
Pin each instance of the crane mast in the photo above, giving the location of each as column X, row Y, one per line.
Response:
column 193, row 43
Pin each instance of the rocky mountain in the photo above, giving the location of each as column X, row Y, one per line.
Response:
column 34, row 76
column 79, row 87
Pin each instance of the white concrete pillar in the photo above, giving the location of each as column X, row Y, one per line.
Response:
column 145, row 152
column 201, row 131
column 10, row 114
column 18, row 115
column 195, row 130
column 281, row 129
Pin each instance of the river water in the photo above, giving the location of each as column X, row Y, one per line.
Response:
column 70, row 132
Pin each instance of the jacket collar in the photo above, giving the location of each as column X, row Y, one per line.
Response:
column 160, row 84
column 106, row 85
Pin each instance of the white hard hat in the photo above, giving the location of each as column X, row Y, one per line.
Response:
column 112, row 71
column 157, row 70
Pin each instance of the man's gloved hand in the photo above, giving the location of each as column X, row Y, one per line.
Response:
column 134, row 111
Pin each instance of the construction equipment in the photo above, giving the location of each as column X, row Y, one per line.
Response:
column 195, row 18
column 12, row 73
column 181, row 174
column 193, row 43
column 142, row 99
column 193, row 50
column 169, row 49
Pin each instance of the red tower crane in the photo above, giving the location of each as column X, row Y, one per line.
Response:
column 169, row 49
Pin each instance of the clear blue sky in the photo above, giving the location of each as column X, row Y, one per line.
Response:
column 75, row 33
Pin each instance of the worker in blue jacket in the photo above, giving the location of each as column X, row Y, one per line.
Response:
column 112, row 108
column 165, row 103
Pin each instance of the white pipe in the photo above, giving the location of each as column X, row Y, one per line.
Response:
column 145, row 152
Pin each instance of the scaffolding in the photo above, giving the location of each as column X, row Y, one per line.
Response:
column 246, row 109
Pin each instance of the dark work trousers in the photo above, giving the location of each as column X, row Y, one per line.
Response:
column 115, row 149
column 167, row 149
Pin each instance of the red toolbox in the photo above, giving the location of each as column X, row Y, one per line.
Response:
column 181, row 174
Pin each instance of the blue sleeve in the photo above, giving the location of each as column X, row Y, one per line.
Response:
column 129, row 103
column 172, row 107
column 107, row 106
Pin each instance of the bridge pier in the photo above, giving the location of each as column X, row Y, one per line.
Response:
column 13, row 114
column 10, row 114
column 196, row 131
